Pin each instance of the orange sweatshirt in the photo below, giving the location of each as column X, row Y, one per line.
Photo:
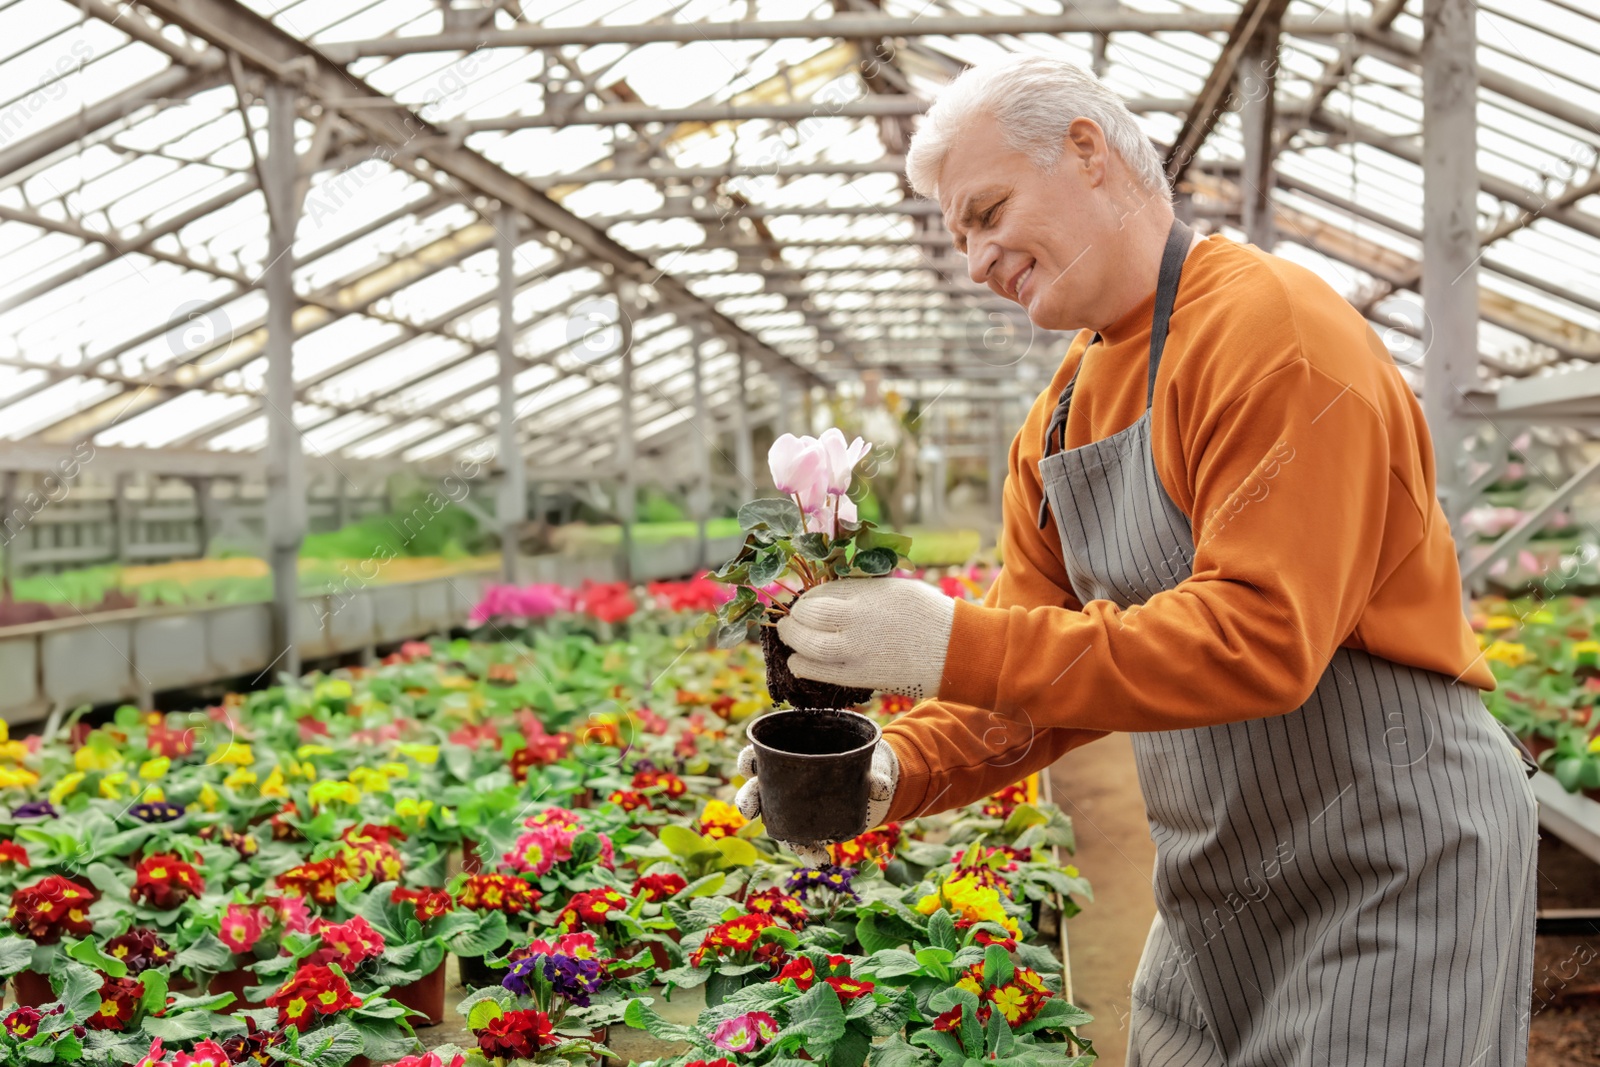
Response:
column 1285, row 433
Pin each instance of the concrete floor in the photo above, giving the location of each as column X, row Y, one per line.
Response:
column 1098, row 787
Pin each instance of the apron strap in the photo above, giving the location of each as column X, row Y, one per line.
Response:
column 1172, row 257
column 1178, row 239
column 1055, row 433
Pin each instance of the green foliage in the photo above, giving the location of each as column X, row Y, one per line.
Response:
column 777, row 547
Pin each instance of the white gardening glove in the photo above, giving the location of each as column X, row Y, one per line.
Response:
column 882, row 780
column 887, row 634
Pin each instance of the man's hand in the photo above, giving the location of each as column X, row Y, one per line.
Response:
column 887, row 634
column 882, row 780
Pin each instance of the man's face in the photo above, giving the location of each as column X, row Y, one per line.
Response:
column 1040, row 239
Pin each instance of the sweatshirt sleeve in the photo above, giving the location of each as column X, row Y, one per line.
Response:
column 951, row 754
column 1292, row 484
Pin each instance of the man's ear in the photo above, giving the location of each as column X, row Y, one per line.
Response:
column 1084, row 148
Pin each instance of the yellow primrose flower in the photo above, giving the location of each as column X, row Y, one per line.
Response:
column 332, row 689
column 455, row 681
column 743, row 709
column 331, row 791
column 427, row 755
column 65, row 787
column 303, row 770
column 17, row 777
column 971, row 901
column 1581, row 648
column 234, row 752
column 368, row 780
column 273, row 786
column 719, row 813
column 152, row 794
column 307, row 751
column 93, row 758
column 15, row 751
column 398, row 771
column 208, row 797
column 412, row 809
column 5, row 730
column 1594, row 743
column 111, row 783
column 151, row 769
column 241, row 777
column 1540, row 616
column 1508, row 652
column 1499, row 622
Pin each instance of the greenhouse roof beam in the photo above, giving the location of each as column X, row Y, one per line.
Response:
column 481, row 421
column 265, row 46
column 314, row 312
column 629, row 115
column 177, row 82
column 32, row 457
column 758, row 211
column 1114, row 20
column 369, row 403
column 1256, row 18
column 1409, row 149
column 645, row 172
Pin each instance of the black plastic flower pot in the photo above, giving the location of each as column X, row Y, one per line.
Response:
column 801, row 692
column 814, row 767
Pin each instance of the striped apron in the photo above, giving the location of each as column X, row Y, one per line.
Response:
column 1351, row 883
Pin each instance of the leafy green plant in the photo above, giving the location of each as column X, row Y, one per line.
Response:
column 778, row 549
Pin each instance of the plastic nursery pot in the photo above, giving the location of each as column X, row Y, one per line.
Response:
column 426, row 995
column 813, row 767
column 235, row 982
column 785, row 688
column 476, row 972
column 32, row 989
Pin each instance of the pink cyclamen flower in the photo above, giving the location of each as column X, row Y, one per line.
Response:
column 241, row 927
column 842, row 458
column 800, row 468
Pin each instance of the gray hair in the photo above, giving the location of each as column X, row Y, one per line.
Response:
column 1034, row 99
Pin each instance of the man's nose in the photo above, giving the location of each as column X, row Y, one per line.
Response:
column 981, row 257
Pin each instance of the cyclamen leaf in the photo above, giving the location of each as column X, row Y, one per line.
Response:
column 778, row 514
column 813, row 545
column 732, row 634
column 767, row 567
column 876, row 560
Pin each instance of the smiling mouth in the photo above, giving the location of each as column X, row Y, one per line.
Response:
column 1021, row 280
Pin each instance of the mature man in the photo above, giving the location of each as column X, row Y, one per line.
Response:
column 1220, row 536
